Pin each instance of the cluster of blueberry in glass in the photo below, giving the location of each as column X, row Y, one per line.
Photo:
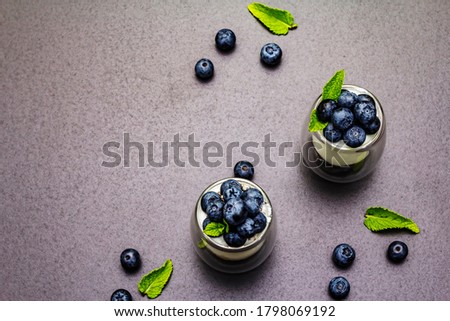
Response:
column 240, row 209
column 351, row 118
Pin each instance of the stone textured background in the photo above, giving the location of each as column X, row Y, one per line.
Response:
column 74, row 75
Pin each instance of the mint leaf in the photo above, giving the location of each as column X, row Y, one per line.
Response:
column 380, row 218
column 314, row 123
column 333, row 87
column 201, row 244
column 153, row 283
column 278, row 21
column 227, row 227
column 214, row 229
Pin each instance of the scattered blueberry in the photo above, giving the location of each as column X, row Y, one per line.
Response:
column 339, row 288
column 214, row 210
column 355, row 136
column 204, row 69
column 233, row 211
column 343, row 255
column 234, row 239
column 363, row 98
column 225, row 39
column 206, row 221
column 230, row 189
column 331, row 134
column 247, row 228
column 342, row 118
column 347, row 99
column 271, row 54
column 373, row 127
column 397, row 251
column 260, row 222
column 365, row 112
column 244, row 169
column 130, row 260
column 207, row 198
column 325, row 109
column 253, row 200
column 121, row 295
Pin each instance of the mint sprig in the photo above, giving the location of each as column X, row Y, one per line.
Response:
column 331, row 90
column 154, row 282
column 380, row 219
column 278, row 21
column 215, row 229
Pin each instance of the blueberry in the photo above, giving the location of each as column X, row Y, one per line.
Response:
column 244, row 169
column 233, row 211
column 342, row 118
column 339, row 288
column 325, row 109
column 331, row 134
column 130, row 260
column 247, row 228
column 260, row 222
column 373, row 127
column 397, row 251
column 271, row 54
column 204, row 69
column 253, row 200
column 355, row 136
column 225, row 40
column 347, row 99
column 121, row 295
column 206, row 221
column 234, row 239
column 365, row 98
column 214, row 210
column 365, row 112
column 207, row 198
column 343, row 255
column 230, row 189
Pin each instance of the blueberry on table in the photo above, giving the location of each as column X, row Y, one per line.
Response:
column 130, row 260
column 244, row 169
column 271, row 54
column 230, row 189
column 339, row 288
column 325, row 109
column 343, row 255
column 331, row 134
column 354, row 137
column 214, row 210
column 253, row 200
column 121, row 295
column 260, row 222
column 365, row 113
column 225, row 39
column 204, row 69
column 373, row 127
column 342, row 118
column 207, row 198
column 397, row 251
column 233, row 212
column 234, row 239
column 347, row 99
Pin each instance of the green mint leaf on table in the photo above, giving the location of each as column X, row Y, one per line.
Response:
column 278, row 21
column 314, row 123
column 214, row 229
column 333, row 87
column 380, row 218
column 153, row 283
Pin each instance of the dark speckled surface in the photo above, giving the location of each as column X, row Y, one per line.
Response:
column 75, row 75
